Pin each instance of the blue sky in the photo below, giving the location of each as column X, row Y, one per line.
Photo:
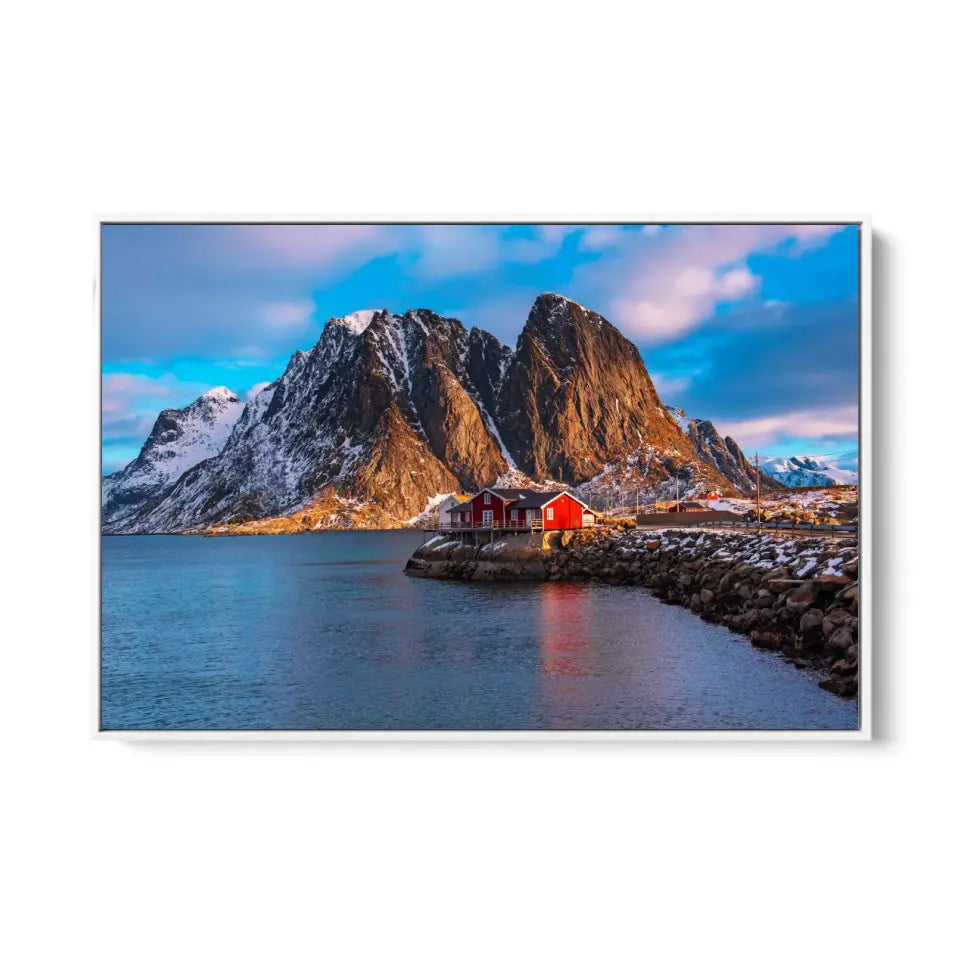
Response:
column 752, row 326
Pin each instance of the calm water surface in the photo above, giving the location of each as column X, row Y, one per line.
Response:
column 324, row 631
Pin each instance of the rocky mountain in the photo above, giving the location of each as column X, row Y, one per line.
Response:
column 807, row 471
column 179, row 440
column 723, row 453
column 578, row 397
column 387, row 411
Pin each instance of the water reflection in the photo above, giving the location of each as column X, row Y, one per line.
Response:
column 325, row 632
column 565, row 631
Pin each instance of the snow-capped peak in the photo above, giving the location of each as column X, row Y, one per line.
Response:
column 179, row 440
column 357, row 322
column 219, row 393
column 808, row 471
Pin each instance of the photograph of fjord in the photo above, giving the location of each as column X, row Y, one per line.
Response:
column 480, row 477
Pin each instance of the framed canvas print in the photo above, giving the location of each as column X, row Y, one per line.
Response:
column 484, row 479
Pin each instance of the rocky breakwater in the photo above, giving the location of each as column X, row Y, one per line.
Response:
column 527, row 556
column 797, row 596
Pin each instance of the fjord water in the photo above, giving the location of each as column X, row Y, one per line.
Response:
column 324, row 632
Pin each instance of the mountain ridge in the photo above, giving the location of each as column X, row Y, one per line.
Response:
column 808, row 470
column 388, row 410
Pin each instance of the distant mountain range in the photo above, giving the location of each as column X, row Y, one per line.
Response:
column 813, row 471
column 386, row 411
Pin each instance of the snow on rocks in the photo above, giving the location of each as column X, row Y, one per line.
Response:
column 356, row 322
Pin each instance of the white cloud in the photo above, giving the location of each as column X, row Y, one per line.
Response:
column 596, row 238
column 449, row 250
column 800, row 424
column 453, row 250
column 256, row 388
column 670, row 388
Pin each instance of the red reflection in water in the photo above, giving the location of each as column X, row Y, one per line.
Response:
column 565, row 636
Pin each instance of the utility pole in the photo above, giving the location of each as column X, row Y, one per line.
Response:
column 757, row 461
column 678, row 493
column 638, row 501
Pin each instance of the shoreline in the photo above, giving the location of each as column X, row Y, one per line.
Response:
column 797, row 597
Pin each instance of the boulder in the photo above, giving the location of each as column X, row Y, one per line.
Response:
column 763, row 598
column 811, row 621
column 765, row 641
column 800, row 598
column 840, row 640
column 834, row 618
column 842, row 686
column 832, row 582
column 782, row 585
column 844, row 668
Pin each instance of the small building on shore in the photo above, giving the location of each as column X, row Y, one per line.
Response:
column 688, row 506
column 447, row 507
column 514, row 508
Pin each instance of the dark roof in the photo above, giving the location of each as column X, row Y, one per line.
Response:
column 508, row 493
column 537, row 498
column 520, row 497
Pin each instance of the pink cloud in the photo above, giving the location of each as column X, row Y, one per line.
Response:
column 667, row 283
column 120, row 390
column 125, row 395
column 799, row 424
column 287, row 314
column 317, row 246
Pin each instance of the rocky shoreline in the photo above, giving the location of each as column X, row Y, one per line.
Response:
column 796, row 596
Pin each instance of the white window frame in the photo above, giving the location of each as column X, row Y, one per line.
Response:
column 487, row 518
column 514, row 514
column 549, row 513
column 486, row 498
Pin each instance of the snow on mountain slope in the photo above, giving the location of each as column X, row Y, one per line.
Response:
column 810, row 471
column 384, row 410
column 179, row 440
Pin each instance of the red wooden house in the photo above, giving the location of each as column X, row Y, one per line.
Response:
column 518, row 509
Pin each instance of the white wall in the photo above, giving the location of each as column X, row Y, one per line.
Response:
column 432, row 110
